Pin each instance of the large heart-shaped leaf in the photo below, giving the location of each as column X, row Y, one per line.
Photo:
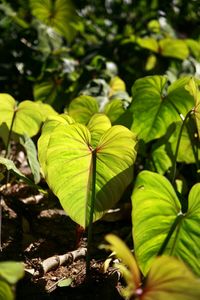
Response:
column 155, row 209
column 59, row 14
column 47, row 128
column 82, row 108
column 154, row 109
column 28, row 118
column 69, row 168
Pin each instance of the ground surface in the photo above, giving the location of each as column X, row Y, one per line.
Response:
column 34, row 228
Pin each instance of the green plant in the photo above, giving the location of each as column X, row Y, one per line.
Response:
column 97, row 160
column 10, row 273
column 167, row 278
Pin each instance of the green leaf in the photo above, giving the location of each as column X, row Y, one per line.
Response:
column 46, row 110
column 122, row 252
column 116, row 85
column 193, row 89
column 28, row 118
column 188, row 142
column 148, row 43
column 69, row 164
column 82, row 108
column 10, row 166
column 31, row 152
column 114, row 109
column 154, row 109
column 6, row 292
column 58, row 14
column 155, row 209
column 174, row 48
column 47, row 129
column 11, row 271
column 98, row 124
column 169, row 278
column 65, row 282
column 49, row 91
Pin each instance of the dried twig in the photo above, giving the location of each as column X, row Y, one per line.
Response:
column 55, row 261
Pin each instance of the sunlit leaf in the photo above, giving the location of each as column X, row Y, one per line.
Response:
column 28, row 118
column 155, row 208
column 116, row 84
column 98, row 124
column 58, row 14
column 69, row 164
column 169, row 278
column 122, row 252
column 174, row 48
column 148, row 43
column 6, row 292
column 11, row 271
column 114, row 109
column 47, row 129
column 82, row 108
column 154, row 109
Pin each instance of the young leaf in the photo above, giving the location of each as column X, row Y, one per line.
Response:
column 122, row 252
column 10, row 166
column 169, row 278
column 160, row 110
column 156, row 210
column 69, row 164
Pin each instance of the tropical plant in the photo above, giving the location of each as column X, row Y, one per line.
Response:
column 167, row 278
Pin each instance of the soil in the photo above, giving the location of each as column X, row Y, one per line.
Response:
column 34, row 227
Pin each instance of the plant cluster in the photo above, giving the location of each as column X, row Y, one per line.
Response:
column 109, row 136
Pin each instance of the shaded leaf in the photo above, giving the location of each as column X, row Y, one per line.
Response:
column 31, row 152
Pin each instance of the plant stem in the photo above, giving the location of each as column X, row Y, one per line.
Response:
column 93, row 196
column 179, row 217
column 9, row 134
column 173, row 170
